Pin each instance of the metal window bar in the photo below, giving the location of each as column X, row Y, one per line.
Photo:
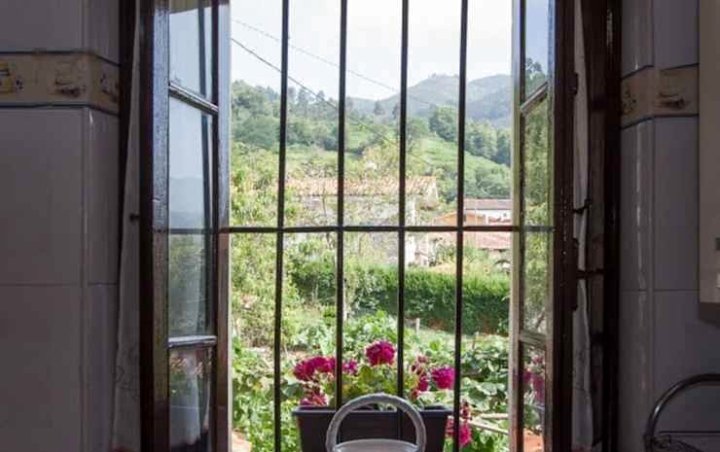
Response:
column 340, row 228
column 340, row 237
column 277, row 366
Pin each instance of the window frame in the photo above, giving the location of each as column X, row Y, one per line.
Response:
column 153, row 83
column 156, row 90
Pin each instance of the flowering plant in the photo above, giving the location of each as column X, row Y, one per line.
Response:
column 427, row 383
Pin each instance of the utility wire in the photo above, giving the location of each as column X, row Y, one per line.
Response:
column 330, row 62
column 312, row 93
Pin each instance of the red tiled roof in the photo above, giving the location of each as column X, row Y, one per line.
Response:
column 488, row 204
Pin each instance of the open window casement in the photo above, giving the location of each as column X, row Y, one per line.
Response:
column 184, row 186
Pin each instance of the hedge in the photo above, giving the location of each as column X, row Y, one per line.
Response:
column 429, row 295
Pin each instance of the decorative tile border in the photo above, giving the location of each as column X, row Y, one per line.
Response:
column 66, row 79
column 653, row 92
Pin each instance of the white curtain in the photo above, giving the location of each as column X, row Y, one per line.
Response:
column 582, row 422
column 126, row 410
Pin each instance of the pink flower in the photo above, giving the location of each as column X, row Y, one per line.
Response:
column 465, row 434
column 323, row 365
column 444, row 377
column 314, row 399
column 538, row 384
column 305, row 370
column 350, row 367
column 380, row 352
column 423, row 384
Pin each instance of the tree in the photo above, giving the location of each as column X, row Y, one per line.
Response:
column 443, row 122
column 503, row 155
column 417, row 129
column 378, row 110
column 481, row 140
column 303, row 101
column 257, row 131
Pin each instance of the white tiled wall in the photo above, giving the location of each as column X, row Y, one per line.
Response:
column 59, row 227
column 662, row 339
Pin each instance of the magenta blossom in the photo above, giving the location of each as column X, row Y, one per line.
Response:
column 444, row 377
column 303, row 371
column 306, row 369
column 350, row 367
column 380, row 352
column 314, row 399
column 465, row 434
column 423, row 384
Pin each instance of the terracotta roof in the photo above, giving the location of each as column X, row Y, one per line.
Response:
column 327, row 186
column 488, row 204
column 489, row 240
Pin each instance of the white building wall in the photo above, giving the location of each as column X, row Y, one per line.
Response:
column 662, row 338
column 58, row 226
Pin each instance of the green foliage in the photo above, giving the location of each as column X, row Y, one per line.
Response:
column 443, row 122
column 429, row 295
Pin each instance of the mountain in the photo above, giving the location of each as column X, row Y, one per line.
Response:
column 488, row 98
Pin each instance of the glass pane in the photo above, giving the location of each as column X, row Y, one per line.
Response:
column 308, row 328
column 533, row 390
column 191, row 375
column 255, row 108
column 486, row 295
column 537, row 40
column 536, row 276
column 370, row 332
column 488, row 134
column 188, row 288
column 191, row 54
column 311, row 197
column 189, row 220
column 252, row 297
column 537, row 167
column 373, row 85
column 433, row 87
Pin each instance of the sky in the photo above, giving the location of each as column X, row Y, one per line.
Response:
column 373, row 42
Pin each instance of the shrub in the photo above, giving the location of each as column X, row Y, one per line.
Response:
column 429, row 295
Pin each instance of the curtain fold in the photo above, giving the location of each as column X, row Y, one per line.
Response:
column 582, row 421
column 126, row 405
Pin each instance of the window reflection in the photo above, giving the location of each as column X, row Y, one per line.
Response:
column 191, row 45
column 190, row 396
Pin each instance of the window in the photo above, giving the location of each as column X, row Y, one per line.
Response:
column 351, row 230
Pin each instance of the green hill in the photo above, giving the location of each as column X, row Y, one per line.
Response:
column 488, row 98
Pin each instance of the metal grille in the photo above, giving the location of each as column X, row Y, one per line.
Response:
column 340, row 228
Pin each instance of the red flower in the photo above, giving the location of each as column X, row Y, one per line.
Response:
column 423, row 384
column 305, row 370
column 465, row 434
column 350, row 367
column 380, row 352
column 444, row 377
column 314, row 399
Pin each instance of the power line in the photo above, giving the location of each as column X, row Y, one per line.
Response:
column 330, row 62
column 322, row 99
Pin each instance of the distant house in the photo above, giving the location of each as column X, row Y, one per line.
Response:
column 478, row 212
column 367, row 200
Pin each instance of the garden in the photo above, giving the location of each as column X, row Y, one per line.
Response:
column 370, row 264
